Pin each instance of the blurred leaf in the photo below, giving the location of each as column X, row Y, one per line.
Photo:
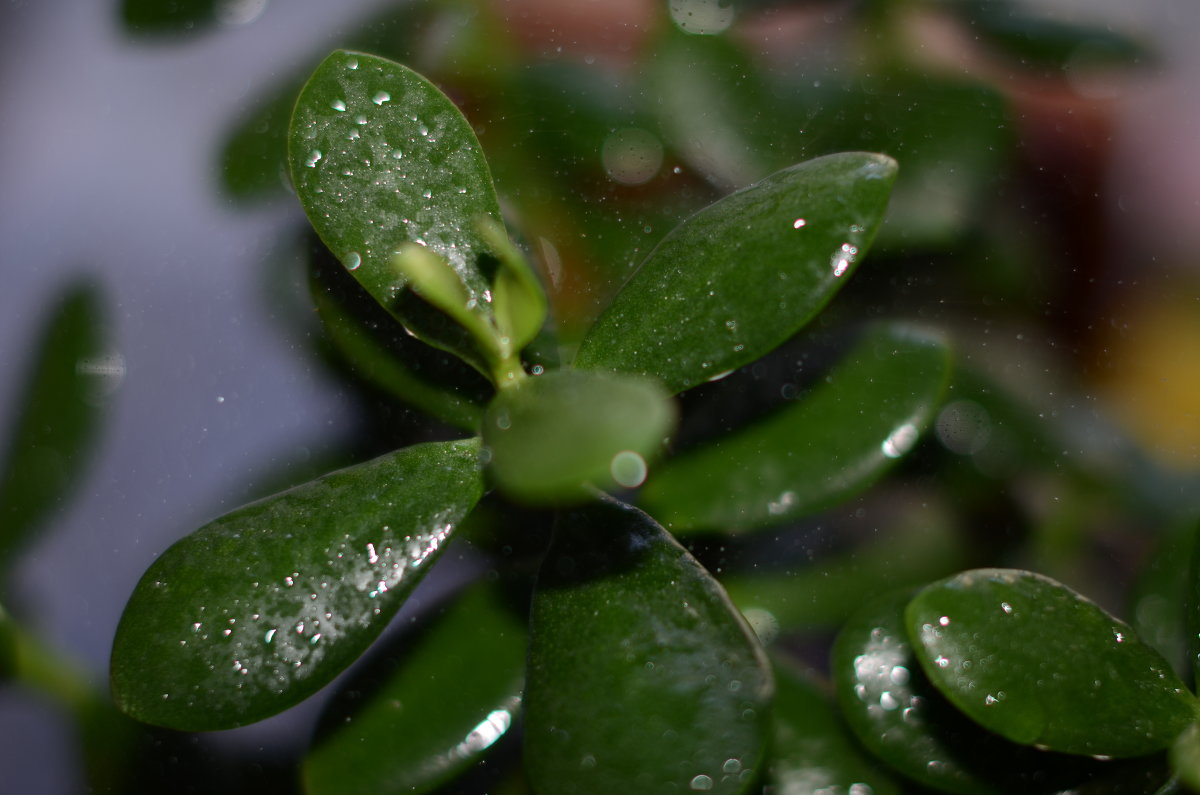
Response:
column 829, row 445
column 452, row 694
column 642, row 676
column 380, row 157
column 715, row 110
column 378, row 350
column 741, row 276
column 552, row 435
column 518, row 299
column 902, row 718
column 1035, row 662
column 812, row 752
column 1160, row 604
column 262, row 607
column 171, row 16
column 1185, row 757
column 57, row 417
column 919, row 547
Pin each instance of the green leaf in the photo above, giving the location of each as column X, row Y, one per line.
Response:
column 451, row 695
column 642, row 676
column 1029, row 659
column 1185, row 757
column 1159, row 609
column 552, row 436
column 828, row 446
column 58, row 416
column 812, row 750
column 741, row 276
column 901, row 717
column 160, row 17
column 261, row 608
column 380, row 157
column 518, row 298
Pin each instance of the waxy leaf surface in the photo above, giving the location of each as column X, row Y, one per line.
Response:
column 642, row 676
column 550, row 436
column 58, row 416
column 1032, row 660
column 899, row 715
column 453, row 691
column 379, row 156
column 738, row 278
column 829, row 445
column 262, row 607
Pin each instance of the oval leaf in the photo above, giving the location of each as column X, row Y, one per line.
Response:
column 741, row 276
column 1032, row 660
column 379, row 156
column 450, row 696
column 823, row 449
column 901, row 717
column 551, row 436
column 262, row 607
column 811, row 750
column 57, row 417
column 642, row 676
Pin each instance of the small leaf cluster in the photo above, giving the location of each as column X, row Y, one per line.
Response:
column 634, row 669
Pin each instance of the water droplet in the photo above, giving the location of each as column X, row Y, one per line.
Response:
column 352, row 64
column 779, row 506
column 372, row 557
column 798, row 223
column 1007, row 608
column 702, row 17
column 502, row 421
column 900, row 440
column 397, row 154
column 631, row 156
column 313, row 157
column 537, row 369
column 360, row 119
column 942, row 661
column 944, row 621
column 338, row 105
column 732, row 766
column 270, row 636
column 381, row 97
column 843, row 258
column 628, row 469
column 701, row 783
column 353, row 260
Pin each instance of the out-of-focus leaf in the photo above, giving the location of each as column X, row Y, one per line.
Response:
column 1185, row 757
column 57, row 418
column 553, row 435
column 812, row 750
column 1032, row 660
column 823, row 593
column 517, row 297
column 741, row 276
column 866, row 415
column 452, row 694
column 642, row 676
column 1160, row 612
column 902, row 718
column 159, row 17
column 262, row 607
column 381, row 157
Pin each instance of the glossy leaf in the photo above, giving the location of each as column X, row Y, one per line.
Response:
column 1032, row 660
column 451, row 694
column 829, row 445
column 380, row 157
column 642, row 676
column 902, row 718
column 57, row 417
column 262, row 607
column 812, row 750
column 551, row 436
column 741, row 276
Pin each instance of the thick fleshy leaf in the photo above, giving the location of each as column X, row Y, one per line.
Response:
column 262, row 607
column 642, row 676
column 176, row 17
column 741, row 276
column 829, row 445
column 551, row 436
column 1159, row 610
column 72, row 376
column 1032, row 660
column 1185, row 757
column 900, row 716
column 812, row 750
column 450, row 695
column 379, row 157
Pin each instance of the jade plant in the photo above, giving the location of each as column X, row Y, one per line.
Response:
column 621, row 658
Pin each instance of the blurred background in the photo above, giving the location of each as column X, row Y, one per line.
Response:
column 1048, row 216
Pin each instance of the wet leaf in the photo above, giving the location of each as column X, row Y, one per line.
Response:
column 380, row 157
column 553, row 435
column 262, row 607
column 57, row 418
column 1029, row 659
column 831, row 444
column 451, row 693
column 901, row 717
column 642, row 676
column 812, row 750
column 741, row 276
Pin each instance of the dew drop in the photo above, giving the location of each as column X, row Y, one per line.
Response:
column 381, row 97
column 338, row 105
column 799, row 223
column 313, row 157
column 353, row 261
column 701, row 783
column 628, row 469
